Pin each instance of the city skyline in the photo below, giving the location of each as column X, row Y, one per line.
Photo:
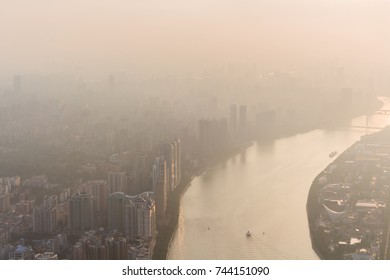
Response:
column 132, row 130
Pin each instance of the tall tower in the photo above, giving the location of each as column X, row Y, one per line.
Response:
column 146, row 219
column 116, row 211
column 81, row 216
column 160, row 188
column 117, row 182
column 140, row 216
column 233, row 121
column 99, row 191
column 44, row 219
column 167, row 152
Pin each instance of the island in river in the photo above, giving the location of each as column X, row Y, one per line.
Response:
column 347, row 206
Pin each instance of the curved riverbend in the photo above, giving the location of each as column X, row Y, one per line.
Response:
column 263, row 189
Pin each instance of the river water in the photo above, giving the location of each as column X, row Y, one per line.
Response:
column 264, row 189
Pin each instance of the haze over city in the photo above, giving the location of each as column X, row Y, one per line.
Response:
column 180, row 36
column 129, row 129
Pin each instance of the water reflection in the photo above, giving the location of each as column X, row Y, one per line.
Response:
column 263, row 189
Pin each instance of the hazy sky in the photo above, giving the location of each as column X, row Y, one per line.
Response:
column 48, row 35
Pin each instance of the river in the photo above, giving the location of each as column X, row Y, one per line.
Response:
column 263, row 189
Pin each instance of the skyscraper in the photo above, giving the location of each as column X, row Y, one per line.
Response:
column 233, row 121
column 134, row 182
column 45, row 216
column 44, row 219
column 160, row 188
column 81, row 212
column 117, row 182
column 134, row 216
column 140, row 216
column 116, row 212
column 99, row 191
column 167, row 152
column 171, row 153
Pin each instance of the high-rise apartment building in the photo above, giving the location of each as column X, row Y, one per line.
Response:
column 44, row 219
column 45, row 216
column 171, row 152
column 81, row 212
column 233, row 121
column 134, row 216
column 134, row 182
column 117, row 182
column 116, row 212
column 160, row 188
column 100, row 192
column 140, row 214
column 167, row 152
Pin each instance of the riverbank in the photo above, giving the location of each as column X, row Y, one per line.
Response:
column 169, row 231
column 166, row 233
column 345, row 231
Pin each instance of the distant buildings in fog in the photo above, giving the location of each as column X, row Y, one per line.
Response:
column 233, row 121
column 242, row 124
column 213, row 136
column 217, row 135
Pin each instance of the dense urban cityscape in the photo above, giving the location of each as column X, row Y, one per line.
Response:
column 348, row 203
column 194, row 130
column 116, row 217
column 79, row 184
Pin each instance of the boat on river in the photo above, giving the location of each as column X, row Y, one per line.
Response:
column 332, row 154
